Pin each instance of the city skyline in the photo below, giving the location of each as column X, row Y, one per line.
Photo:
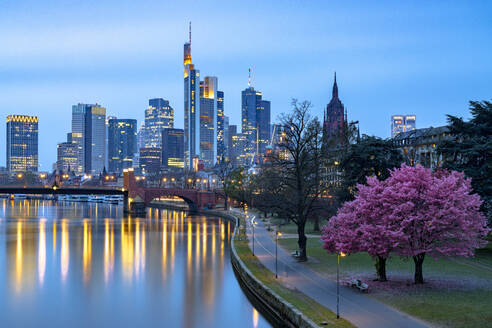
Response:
column 403, row 70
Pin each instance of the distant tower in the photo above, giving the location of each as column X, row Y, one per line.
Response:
column 335, row 117
column 191, row 106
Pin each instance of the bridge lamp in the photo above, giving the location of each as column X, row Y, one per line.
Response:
column 19, row 176
column 55, row 187
column 213, row 181
column 143, row 178
column 164, row 179
column 106, row 178
column 172, row 179
column 42, row 175
column 204, row 180
column 189, row 180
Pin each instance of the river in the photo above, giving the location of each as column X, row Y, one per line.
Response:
column 86, row 264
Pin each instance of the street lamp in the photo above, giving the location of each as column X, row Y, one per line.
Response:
column 277, row 234
column 253, row 223
column 342, row 254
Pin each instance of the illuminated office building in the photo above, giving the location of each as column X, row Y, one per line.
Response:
column 141, row 136
column 173, row 148
column 255, row 124
column 221, row 131
column 22, row 143
column 159, row 115
column 402, row 123
column 191, row 107
column 150, row 160
column 122, row 144
column 208, row 120
column 89, row 133
column 67, row 157
column 226, row 137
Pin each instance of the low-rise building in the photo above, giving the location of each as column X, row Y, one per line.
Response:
column 419, row 146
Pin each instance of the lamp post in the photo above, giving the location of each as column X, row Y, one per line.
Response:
column 338, row 283
column 253, row 223
column 277, row 234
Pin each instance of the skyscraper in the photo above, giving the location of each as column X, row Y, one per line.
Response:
column 173, row 148
column 263, row 126
column 335, row 118
column 150, row 160
column 402, row 123
column 159, row 115
column 89, row 133
column 221, row 141
column 255, row 123
column 208, row 121
column 141, row 136
column 22, row 143
column 191, row 107
column 226, row 138
column 122, row 144
column 67, row 157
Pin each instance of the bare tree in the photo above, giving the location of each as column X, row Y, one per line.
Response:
column 224, row 170
column 291, row 183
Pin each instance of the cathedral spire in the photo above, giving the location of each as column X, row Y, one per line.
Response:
column 335, row 88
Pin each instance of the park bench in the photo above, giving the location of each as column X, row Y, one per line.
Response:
column 361, row 286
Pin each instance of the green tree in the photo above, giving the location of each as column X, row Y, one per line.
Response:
column 470, row 150
column 371, row 156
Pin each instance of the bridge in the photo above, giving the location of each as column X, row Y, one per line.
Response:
column 55, row 190
column 196, row 199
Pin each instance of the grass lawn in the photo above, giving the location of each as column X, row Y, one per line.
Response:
column 291, row 227
column 456, row 293
column 306, row 305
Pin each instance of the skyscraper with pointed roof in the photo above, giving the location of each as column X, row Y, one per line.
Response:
column 191, row 106
column 335, row 116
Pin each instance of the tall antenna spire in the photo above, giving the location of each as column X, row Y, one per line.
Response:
column 190, row 32
column 249, row 77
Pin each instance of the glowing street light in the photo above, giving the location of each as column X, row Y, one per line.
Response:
column 19, row 175
column 253, row 223
column 277, row 234
column 340, row 254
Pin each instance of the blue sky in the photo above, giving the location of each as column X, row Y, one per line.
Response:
column 427, row 58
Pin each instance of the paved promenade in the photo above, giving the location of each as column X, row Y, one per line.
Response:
column 356, row 307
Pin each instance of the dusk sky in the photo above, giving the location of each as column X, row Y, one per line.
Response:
column 427, row 58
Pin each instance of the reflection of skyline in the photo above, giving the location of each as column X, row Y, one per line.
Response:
column 167, row 252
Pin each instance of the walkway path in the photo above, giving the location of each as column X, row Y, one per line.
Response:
column 356, row 307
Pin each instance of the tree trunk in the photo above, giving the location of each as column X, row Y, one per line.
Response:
column 316, row 224
column 302, row 242
column 419, row 260
column 381, row 268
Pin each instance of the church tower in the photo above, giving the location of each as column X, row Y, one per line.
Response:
column 335, row 117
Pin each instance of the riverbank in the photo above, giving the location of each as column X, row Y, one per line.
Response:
column 286, row 304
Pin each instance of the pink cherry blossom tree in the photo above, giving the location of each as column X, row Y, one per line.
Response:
column 412, row 213
column 364, row 225
column 437, row 212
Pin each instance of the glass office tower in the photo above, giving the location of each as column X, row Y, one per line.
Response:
column 22, row 143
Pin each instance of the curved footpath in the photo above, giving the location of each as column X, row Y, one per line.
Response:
column 278, row 308
column 355, row 307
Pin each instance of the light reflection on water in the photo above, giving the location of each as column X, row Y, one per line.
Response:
column 82, row 264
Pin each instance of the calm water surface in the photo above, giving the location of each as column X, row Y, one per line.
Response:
column 83, row 264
